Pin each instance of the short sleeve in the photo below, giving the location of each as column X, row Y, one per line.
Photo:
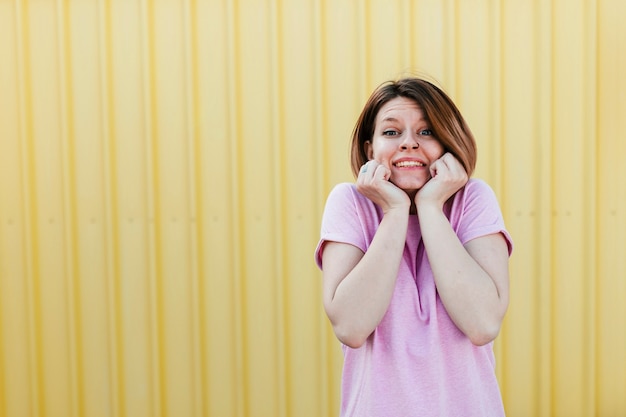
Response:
column 347, row 215
column 475, row 212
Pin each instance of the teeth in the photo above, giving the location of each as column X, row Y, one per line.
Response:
column 403, row 164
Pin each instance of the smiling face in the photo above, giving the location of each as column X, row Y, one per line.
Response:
column 404, row 142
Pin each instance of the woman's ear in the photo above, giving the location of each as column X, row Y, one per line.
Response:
column 368, row 150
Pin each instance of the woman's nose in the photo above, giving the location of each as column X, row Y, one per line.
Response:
column 409, row 142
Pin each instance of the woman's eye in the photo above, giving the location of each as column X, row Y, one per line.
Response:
column 390, row 133
column 426, row 132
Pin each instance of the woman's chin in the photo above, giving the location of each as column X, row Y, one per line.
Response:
column 410, row 187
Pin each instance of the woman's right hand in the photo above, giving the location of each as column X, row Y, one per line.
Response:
column 373, row 182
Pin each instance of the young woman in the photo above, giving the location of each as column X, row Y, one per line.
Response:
column 415, row 262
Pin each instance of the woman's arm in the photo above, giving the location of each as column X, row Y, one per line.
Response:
column 358, row 287
column 472, row 280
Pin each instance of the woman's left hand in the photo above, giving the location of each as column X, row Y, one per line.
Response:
column 447, row 177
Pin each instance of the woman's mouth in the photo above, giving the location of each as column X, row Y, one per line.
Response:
column 409, row 164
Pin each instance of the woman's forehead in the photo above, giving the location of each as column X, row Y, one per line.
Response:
column 399, row 107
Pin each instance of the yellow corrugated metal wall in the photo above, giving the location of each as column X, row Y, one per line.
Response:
column 163, row 170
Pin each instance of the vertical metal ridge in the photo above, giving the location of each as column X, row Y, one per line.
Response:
column 70, row 209
column 3, row 370
column 543, row 115
column 450, row 54
column 321, row 118
column 406, row 34
column 611, row 183
column 552, row 287
column 598, row 269
column 112, row 248
column 197, row 267
column 237, row 225
column 282, row 352
column 496, row 96
column 29, row 202
column 158, row 399
column 237, row 219
column 362, row 12
column 590, row 216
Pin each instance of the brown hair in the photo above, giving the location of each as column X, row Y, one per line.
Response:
column 443, row 116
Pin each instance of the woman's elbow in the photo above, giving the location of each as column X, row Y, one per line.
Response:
column 482, row 339
column 484, row 335
column 350, row 337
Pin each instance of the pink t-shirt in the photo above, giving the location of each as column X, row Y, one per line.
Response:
column 416, row 362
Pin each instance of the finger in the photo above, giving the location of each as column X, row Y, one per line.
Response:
column 366, row 167
column 434, row 167
column 382, row 172
column 448, row 160
column 454, row 166
column 447, row 163
column 367, row 172
column 386, row 165
column 452, row 162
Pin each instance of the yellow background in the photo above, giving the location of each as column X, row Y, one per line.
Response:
column 164, row 166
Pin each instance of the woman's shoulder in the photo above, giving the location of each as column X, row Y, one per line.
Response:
column 344, row 187
column 346, row 192
column 477, row 194
column 478, row 184
column 477, row 188
column 345, row 200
